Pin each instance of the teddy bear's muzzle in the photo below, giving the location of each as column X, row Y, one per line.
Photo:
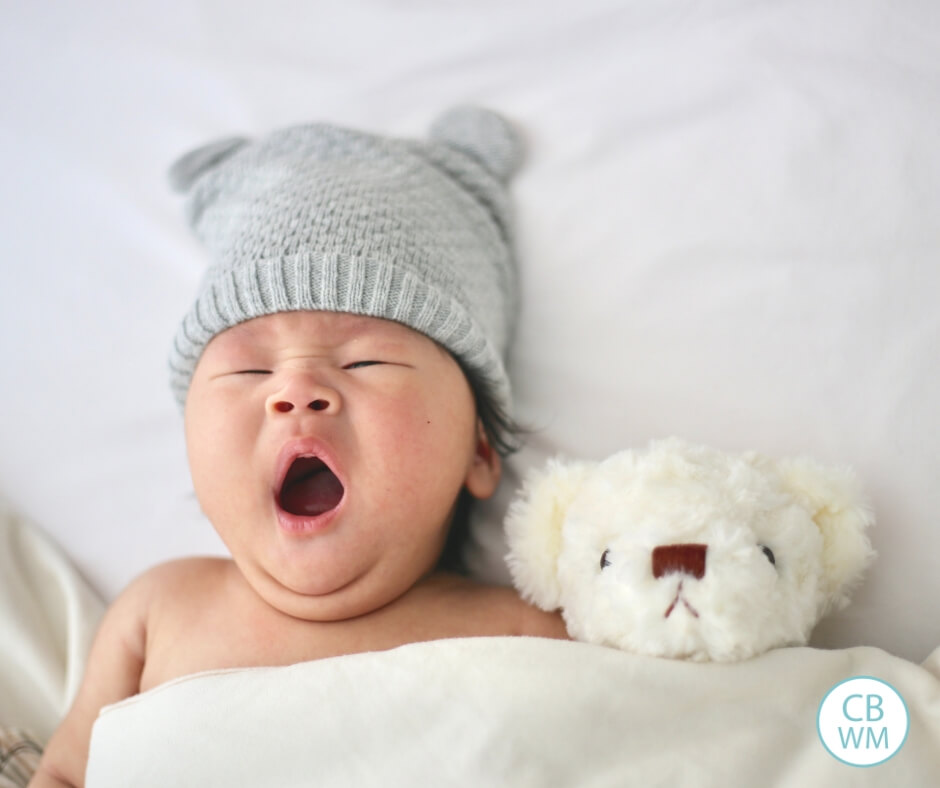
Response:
column 687, row 559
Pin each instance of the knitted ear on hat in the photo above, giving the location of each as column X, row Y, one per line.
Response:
column 533, row 529
column 483, row 134
column 188, row 167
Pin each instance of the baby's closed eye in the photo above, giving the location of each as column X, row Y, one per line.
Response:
column 361, row 364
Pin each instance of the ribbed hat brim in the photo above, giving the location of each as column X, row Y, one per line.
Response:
column 335, row 283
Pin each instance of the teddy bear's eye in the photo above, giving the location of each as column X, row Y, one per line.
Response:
column 604, row 561
column 769, row 553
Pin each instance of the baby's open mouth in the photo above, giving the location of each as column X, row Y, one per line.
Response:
column 310, row 488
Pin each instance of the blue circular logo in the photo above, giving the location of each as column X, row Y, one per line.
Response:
column 863, row 721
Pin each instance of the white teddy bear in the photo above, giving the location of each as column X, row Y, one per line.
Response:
column 687, row 552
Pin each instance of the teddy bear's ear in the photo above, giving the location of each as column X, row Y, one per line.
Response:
column 533, row 529
column 836, row 503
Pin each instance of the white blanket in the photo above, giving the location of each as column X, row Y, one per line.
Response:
column 513, row 712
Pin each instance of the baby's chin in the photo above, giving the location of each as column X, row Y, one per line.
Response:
column 336, row 597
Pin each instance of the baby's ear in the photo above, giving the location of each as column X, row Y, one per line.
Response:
column 533, row 529
column 486, row 467
column 837, row 505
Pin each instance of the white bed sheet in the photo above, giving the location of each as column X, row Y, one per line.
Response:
column 727, row 232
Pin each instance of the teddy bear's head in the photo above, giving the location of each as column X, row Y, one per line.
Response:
column 687, row 552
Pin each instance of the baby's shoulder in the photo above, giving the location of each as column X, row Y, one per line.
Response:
column 182, row 578
column 488, row 609
column 158, row 593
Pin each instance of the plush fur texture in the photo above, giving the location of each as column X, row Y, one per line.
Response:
column 783, row 543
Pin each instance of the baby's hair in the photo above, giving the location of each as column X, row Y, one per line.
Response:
column 503, row 432
column 505, row 435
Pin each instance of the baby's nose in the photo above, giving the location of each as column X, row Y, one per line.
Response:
column 285, row 406
column 303, row 392
column 687, row 559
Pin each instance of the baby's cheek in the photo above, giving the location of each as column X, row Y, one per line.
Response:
column 430, row 427
column 220, row 459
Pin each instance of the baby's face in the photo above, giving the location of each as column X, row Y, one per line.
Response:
column 385, row 421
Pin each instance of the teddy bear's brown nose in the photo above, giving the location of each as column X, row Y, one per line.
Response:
column 688, row 559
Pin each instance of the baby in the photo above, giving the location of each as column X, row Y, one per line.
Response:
column 343, row 390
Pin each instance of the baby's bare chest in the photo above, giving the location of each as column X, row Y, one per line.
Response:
column 196, row 643
column 218, row 632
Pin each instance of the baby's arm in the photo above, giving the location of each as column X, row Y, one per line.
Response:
column 114, row 668
column 539, row 623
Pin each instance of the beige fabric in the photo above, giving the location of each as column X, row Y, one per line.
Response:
column 19, row 757
column 48, row 617
column 510, row 712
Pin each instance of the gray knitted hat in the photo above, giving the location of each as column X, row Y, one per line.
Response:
column 325, row 218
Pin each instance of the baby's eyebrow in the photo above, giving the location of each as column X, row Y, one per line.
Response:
column 241, row 333
column 376, row 348
column 362, row 327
